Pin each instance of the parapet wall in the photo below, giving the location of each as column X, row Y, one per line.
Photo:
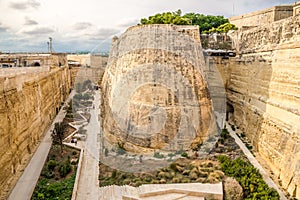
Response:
column 262, row 85
column 28, row 104
column 92, row 67
column 262, row 17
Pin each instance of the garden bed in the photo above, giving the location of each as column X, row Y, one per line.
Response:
column 58, row 174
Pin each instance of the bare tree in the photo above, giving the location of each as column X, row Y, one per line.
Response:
column 58, row 133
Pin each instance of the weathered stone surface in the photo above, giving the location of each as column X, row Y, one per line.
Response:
column 92, row 67
column 263, row 86
column 262, row 17
column 154, row 93
column 28, row 104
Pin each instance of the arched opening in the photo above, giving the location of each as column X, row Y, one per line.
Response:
column 36, row 64
column 229, row 111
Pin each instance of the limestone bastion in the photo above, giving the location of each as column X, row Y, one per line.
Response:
column 154, row 92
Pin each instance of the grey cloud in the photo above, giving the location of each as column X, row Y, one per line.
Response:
column 25, row 5
column 38, row 31
column 127, row 22
column 3, row 28
column 82, row 25
column 103, row 33
column 30, row 21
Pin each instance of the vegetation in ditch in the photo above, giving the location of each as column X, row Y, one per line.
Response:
column 182, row 171
column 58, row 175
column 254, row 187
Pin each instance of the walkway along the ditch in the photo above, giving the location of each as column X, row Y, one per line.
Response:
column 24, row 188
column 254, row 162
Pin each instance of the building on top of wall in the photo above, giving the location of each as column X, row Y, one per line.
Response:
column 296, row 10
column 32, row 60
column 266, row 16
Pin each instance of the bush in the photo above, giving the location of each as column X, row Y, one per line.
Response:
column 51, row 165
column 184, row 154
column 65, row 168
column 54, row 190
column 106, row 152
column 224, row 133
column 158, row 155
column 249, row 178
column 233, row 127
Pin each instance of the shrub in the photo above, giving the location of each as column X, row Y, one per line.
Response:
column 233, row 127
column 51, row 165
column 106, row 152
column 249, row 178
column 224, row 133
column 65, row 168
column 120, row 149
column 184, row 154
column 158, row 155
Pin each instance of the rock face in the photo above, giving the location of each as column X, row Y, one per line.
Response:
column 28, row 104
column 263, row 90
column 154, row 92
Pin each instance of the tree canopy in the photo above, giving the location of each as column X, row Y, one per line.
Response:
column 206, row 23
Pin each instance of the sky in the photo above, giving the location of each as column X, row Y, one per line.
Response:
column 89, row 25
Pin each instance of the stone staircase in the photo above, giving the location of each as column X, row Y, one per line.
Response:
column 182, row 191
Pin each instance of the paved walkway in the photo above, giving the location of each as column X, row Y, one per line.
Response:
column 88, row 186
column 26, row 183
column 254, row 162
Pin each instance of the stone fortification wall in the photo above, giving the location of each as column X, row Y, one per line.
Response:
column 296, row 8
column 32, row 59
column 154, row 92
column 83, row 59
column 262, row 17
column 263, row 84
column 92, row 67
column 29, row 101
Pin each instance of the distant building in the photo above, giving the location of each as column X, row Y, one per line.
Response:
column 32, row 59
column 296, row 10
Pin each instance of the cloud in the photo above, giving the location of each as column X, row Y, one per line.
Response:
column 127, row 22
column 37, row 31
column 25, row 5
column 103, row 33
column 29, row 21
column 82, row 25
column 3, row 28
column 90, row 33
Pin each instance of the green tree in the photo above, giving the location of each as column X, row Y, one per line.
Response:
column 224, row 28
column 167, row 18
column 205, row 22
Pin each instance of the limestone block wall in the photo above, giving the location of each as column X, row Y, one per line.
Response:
column 28, row 104
column 263, row 86
column 261, row 17
column 93, row 67
column 33, row 59
column 154, row 92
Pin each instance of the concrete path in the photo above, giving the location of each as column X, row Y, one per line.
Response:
column 88, row 186
column 254, row 162
column 24, row 188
